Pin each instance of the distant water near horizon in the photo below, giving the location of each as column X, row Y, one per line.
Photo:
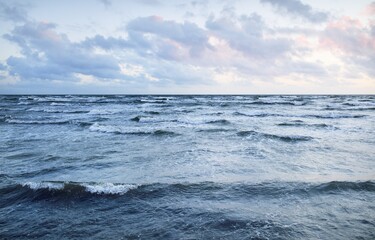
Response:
column 187, row 167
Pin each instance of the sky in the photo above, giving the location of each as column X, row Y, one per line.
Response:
column 187, row 47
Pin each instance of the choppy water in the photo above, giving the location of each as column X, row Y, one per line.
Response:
column 187, row 167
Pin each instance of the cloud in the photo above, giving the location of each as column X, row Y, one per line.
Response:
column 370, row 9
column 247, row 35
column 158, row 52
column 299, row 9
column 13, row 12
column 167, row 37
column 155, row 53
column 106, row 3
column 352, row 41
column 2, row 67
column 155, row 37
column 150, row 2
column 349, row 36
column 50, row 55
column 106, row 43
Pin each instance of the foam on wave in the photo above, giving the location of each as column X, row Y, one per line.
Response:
column 94, row 188
column 17, row 121
column 44, row 185
column 104, row 111
column 80, row 189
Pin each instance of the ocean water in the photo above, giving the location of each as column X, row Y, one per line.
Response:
column 187, row 167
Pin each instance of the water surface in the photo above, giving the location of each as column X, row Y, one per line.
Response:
column 187, row 167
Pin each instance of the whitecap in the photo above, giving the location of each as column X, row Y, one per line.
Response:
column 104, row 128
column 17, row 121
column 103, row 111
column 60, row 104
column 108, row 188
column 95, row 188
column 44, row 185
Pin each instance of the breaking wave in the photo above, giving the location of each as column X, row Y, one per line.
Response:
column 289, row 138
column 66, row 190
column 16, row 121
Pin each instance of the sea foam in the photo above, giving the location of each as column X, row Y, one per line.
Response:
column 90, row 187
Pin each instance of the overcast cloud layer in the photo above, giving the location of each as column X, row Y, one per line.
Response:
column 150, row 46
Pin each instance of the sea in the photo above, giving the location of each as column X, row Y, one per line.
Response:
column 187, row 167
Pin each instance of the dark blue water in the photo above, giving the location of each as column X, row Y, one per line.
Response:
column 187, row 167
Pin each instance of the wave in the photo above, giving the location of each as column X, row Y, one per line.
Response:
column 160, row 101
column 220, row 122
column 259, row 114
column 273, row 103
column 362, row 109
column 334, row 116
column 214, row 130
column 290, row 138
column 60, row 103
column 4, row 118
column 58, row 190
column 152, row 112
column 349, row 104
column 350, row 109
column 57, row 111
column 118, row 130
column 96, row 188
column 17, row 121
column 47, row 122
column 104, row 111
column 136, row 119
column 25, row 103
column 301, row 124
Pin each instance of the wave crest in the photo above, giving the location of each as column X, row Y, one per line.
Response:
column 120, row 130
column 288, row 138
column 94, row 188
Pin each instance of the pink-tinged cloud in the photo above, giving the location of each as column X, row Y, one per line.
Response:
column 370, row 9
column 348, row 36
column 352, row 41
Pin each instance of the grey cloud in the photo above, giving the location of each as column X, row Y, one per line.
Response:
column 153, row 36
column 297, row 8
column 247, row 36
column 106, row 43
column 367, row 65
column 2, row 67
column 199, row 3
column 150, row 2
column 106, row 3
column 13, row 12
column 187, row 34
column 49, row 55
